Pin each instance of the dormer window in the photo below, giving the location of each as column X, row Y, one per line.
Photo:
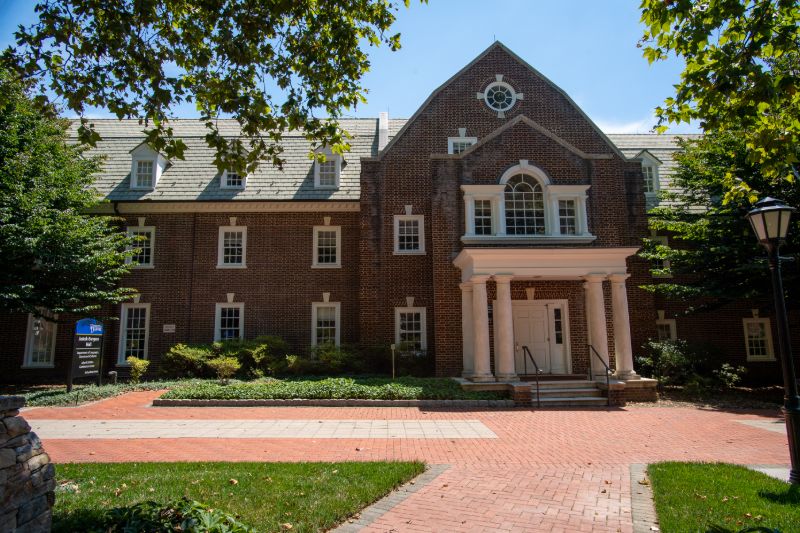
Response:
column 231, row 179
column 457, row 145
column 650, row 183
column 326, row 173
column 147, row 165
column 144, row 175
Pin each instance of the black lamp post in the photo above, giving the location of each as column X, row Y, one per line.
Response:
column 770, row 220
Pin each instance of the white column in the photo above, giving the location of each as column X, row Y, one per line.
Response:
column 623, row 352
column 596, row 322
column 466, row 330
column 504, row 331
column 480, row 330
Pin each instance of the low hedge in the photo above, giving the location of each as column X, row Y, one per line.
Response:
column 406, row 388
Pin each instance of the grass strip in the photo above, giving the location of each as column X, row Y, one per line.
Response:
column 692, row 497
column 309, row 496
column 406, row 388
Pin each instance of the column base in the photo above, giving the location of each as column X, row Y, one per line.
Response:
column 629, row 375
column 467, row 373
column 481, row 378
column 507, row 377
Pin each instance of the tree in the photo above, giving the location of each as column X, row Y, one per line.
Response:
column 273, row 66
column 713, row 254
column 742, row 75
column 54, row 257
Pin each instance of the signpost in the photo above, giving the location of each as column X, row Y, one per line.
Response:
column 87, row 354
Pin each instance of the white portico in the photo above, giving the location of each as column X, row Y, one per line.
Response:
column 541, row 324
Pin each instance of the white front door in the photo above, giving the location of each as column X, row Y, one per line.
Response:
column 541, row 325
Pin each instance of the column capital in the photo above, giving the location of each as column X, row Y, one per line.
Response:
column 503, row 278
column 466, row 286
column 479, row 279
column 618, row 277
column 595, row 278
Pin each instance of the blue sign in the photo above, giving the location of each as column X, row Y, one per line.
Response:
column 88, row 326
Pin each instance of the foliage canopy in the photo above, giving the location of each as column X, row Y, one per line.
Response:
column 272, row 66
column 742, row 74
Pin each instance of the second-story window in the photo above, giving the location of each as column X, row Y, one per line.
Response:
column 524, row 201
column 409, row 234
column 232, row 247
column 327, row 242
column 483, row 217
column 567, row 217
column 143, row 247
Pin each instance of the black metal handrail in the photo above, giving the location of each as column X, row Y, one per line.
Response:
column 527, row 352
column 608, row 372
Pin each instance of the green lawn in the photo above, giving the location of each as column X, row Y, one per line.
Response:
column 697, row 497
column 370, row 388
column 309, row 496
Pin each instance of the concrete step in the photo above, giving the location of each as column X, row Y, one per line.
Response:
column 567, row 401
column 568, row 393
column 567, row 384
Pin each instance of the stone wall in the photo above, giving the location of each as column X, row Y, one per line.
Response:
column 27, row 477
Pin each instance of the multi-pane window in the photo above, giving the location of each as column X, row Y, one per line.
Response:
column 650, row 177
column 758, row 339
column 144, row 174
column 558, row 325
column 327, row 173
column 524, row 201
column 327, row 241
column 410, row 328
column 666, row 329
column 134, row 334
column 143, row 247
column 409, row 234
column 483, row 217
column 229, row 322
column 457, row 145
column 567, row 217
column 232, row 180
column 325, row 323
column 40, row 343
column 232, row 250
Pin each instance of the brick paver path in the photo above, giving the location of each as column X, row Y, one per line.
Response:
column 548, row 470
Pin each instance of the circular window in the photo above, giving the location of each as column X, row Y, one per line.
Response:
column 500, row 96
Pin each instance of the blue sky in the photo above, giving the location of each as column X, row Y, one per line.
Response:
column 587, row 47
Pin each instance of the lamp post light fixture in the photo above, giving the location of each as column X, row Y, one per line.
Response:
column 770, row 220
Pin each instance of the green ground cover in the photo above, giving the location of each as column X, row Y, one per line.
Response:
column 371, row 388
column 264, row 496
column 692, row 497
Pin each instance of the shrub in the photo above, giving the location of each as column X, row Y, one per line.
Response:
column 187, row 361
column 728, row 376
column 335, row 359
column 225, row 367
column 180, row 515
column 297, row 365
column 138, row 368
column 265, row 354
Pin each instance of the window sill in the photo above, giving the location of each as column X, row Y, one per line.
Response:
column 761, row 360
column 224, row 267
column 148, row 189
column 554, row 239
column 326, row 187
column 143, row 267
column 338, row 265
column 421, row 252
column 36, row 367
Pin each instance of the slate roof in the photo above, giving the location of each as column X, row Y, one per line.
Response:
column 196, row 177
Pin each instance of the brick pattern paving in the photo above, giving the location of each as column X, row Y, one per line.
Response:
column 547, row 470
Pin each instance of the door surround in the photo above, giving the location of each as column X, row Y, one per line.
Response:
column 549, row 305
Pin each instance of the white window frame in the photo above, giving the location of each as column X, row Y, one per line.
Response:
column 662, row 240
column 315, row 257
column 223, row 181
column 337, row 159
column 144, row 229
column 451, row 141
column 315, row 306
column 29, row 340
column 768, row 330
column 221, row 245
column 418, row 218
column 423, row 322
column 218, row 318
column 673, row 328
column 135, row 174
column 143, row 153
column 123, row 321
column 648, row 161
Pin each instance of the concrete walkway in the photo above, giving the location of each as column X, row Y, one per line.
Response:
column 526, row 470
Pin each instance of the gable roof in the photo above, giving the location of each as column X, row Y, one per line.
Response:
column 660, row 147
column 494, row 45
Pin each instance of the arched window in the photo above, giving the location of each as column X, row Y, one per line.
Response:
column 524, row 206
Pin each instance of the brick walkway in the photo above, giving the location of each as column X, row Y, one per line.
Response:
column 552, row 470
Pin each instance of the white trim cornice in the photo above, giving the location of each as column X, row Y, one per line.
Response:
column 541, row 263
column 129, row 208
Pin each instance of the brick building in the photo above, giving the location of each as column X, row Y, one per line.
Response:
column 497, row 217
